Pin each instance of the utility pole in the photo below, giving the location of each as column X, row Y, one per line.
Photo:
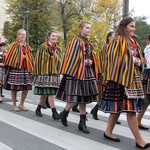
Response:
column 125, row 8
column 26, row 22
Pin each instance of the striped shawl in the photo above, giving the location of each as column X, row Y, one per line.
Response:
column 100, row 59
column 119, row 65
column 73, row 62
column 14, row 57
column 45, row 63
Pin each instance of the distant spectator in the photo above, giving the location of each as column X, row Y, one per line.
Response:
column 3, row 47
column 148, row 40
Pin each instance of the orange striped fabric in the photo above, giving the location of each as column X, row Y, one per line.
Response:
column 14, row 57
column 119, row 65
column 101, row 59
column 73, row 62
column 45, row 63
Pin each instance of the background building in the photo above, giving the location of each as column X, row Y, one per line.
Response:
column 3, row 18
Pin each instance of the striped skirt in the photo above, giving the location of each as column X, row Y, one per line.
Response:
column 46, row 85
column 146, row 86
column 18, row 79
column 73, row 90
column 146, row 89
column 101, row 86
column 117, row 99
column 2, row 76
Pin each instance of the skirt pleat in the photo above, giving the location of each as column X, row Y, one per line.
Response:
column 115, row 100
column 18, row 79
column 2, row 76
column 46, row 85
column 73, row 90
column 146, row 88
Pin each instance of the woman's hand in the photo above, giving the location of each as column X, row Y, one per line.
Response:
column 137, row 62
column 132, row 52
column 1, row 64
column 24, row 57
column 88, row 62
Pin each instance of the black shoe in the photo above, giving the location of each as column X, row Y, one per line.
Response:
column 84, row 129
column 143, row 128
column 75, row 108
column 145, row 146
column 63, row 116
column 112, row 139
column 44, row 106
column 38, row 111
column 1, row 101
column 55, row 114
column 86, row 119
column 2, row 95
column 82, row 124
column 94, row 112
column 118, row 122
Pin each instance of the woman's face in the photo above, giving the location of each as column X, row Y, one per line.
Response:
column 3, row 48
column 85, row 31
column 130, row 28
column 110, row 38
column 52, row 38
column 22, row 35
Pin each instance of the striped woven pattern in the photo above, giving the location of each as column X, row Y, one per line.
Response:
column 115, row 100
column 101, row 60
column 79, row 83
column 124, row 91
column 14, row 57
column 82, row 88
column 146, row 85
column 2, row 69
column 135, row 91
column 78, row 91
column 47, row 70
column 45, row 63
column 18, row 79
column 146, row 91
column 2, row 75
column 45, row 91
column 47, row 81
column 119, row 65
column 73, row 62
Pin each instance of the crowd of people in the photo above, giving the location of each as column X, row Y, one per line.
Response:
column 117, row 79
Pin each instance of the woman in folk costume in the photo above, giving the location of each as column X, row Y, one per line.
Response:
column 146, row 86
column 122, row 72
column 3, row 47
column 48, row 61
column 79, row 81
column 101, row 84
column 19, row 61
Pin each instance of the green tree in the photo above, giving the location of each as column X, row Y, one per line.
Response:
column 39, row 19
column 103, row 15
column 142, row 30
column 64, row 16
column 106, row 15
column 69, row 13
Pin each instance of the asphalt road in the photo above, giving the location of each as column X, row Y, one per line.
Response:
column 26, row 131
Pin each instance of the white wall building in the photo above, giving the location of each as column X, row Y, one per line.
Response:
column 3, row 18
